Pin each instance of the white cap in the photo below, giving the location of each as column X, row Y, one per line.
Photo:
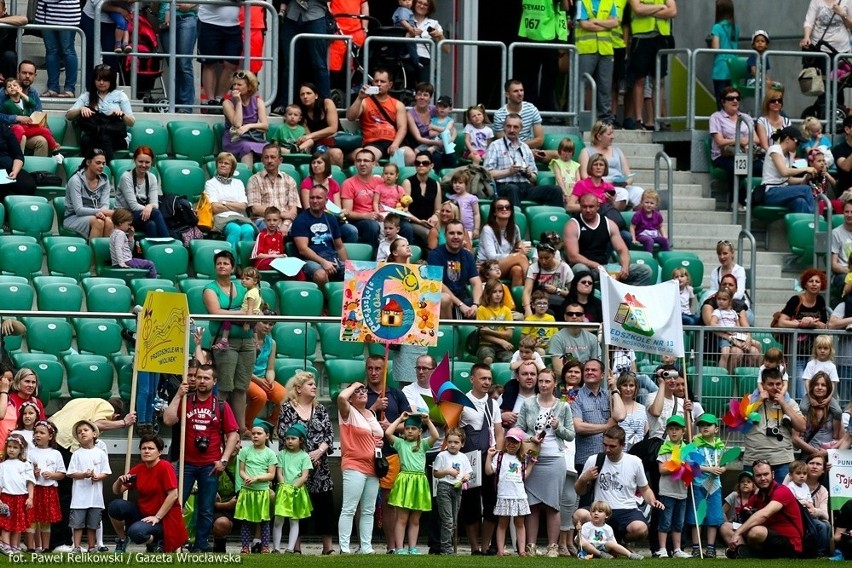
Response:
column 759, row 32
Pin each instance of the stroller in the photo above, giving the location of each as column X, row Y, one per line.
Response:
column 843, row 76
column 149, row 70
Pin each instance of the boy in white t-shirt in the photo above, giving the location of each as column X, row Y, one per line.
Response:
column 452, row 470
column 89, row 466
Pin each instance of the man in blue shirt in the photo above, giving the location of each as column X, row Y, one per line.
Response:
column 459, row 271
column 316, row 235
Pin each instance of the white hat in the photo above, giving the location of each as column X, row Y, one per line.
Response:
column 760, row 32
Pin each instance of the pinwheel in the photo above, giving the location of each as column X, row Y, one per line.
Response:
column 742, row 415
column 448, row 398
column 684, row 463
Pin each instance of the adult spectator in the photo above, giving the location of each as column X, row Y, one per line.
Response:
column 186, row 32
column 59, row 45
column 87, row 211
column 588, row 239
column 382, row 119
column 548, row 420
column 522, row 387
column 482, row 430
column 619, row 479
column 787, row 186
column 774, row 530
column 532, row 131
column 414, row 392
column 635, row 423
column 594, row 41
column 825, row 30
column 210, row 438
column 500, row 240
column 571, row 381
column 666, row 403
column 272, row 187
column 723, row 134
column 842, row 153
column 459, row 271
column 387, row 403
column 246, row 122
column 727, row 265
column 771, row 439
column 727, row 282
column 425, row 193
column 420, row 115
column 21, row 388
column 448, row 212
column 235, row 360
column 219, row 37
column 139, row 191
column 818, row 506
column 263, row 388
column 356, row 197
column 322, row 122
column 429, row 28
column 307, row 17
column 302, row 407
column 550, row 274
column 841, row 248
column 771, row 118
column 320, row 175
column 228, row 198
column 805, row 311
column 822, row 418
column 360, row 436
column 595, row 411
column 582, row 292
column 511, row 163
column 102, row 114
column 573, row 342
column 154, row 518
column 26, row 77
column 316, row 235
column 87, row 25
column 603, row 138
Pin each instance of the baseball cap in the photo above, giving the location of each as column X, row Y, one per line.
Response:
column 516, row 434
column 677, row 420
column 444, row 101
column 760, row 33
column 707, row 418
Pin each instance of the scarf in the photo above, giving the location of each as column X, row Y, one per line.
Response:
column 668, row 447
column 223, row 179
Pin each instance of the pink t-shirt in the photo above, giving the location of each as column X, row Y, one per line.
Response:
column 358, row 438
column 330, row 183
column 360, row 192
column 389, row 194
column 585, row 186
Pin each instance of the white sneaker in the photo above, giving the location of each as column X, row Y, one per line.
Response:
column 63, row 548
column 59, row 158
column 681, row 554
column 662, row 553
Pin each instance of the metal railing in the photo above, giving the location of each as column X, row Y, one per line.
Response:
column 752, row 282
column 82, row 73
column 573, row 76
column 658, row 91
column 662, row 156
column 743, row 163
column 832, row 90
column 693, row 79
column 822, row 239
column 797, row 55
column 466, row 45
column 593, row 95
column 402, row 40
column 291, row 63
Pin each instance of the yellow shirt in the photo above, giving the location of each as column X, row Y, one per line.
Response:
column 542, row 334
column 77, row 409
column 494, row 314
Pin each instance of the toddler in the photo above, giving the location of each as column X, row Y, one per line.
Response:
column 538, row 313
column 672, row 491
column 773, row 359
column 814, row 138
column 687, row 297
column 646, row 227
column 477, row 134
column 389, row 192
column 391, row 228
column 510, row 467
column 119, row 13
column 798, row 483
column 442, row 127
column 735, row 348
column 289, row 132
column 18, row 481
column 452, row 470
column 597, row 539
column 252, row 304
column 19, row 104
column 403, row 17
column 759, row 43
column 527, row 352
column 122, row 242
column 566, row 170
column 467, row 202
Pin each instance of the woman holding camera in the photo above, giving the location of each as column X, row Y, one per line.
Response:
column 154, row 518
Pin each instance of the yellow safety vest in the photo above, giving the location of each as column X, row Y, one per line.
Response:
column 595, row 42
column 538, row 20
column 647, row 24
column 617, row 31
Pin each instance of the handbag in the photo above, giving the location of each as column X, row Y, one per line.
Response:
column 380, row 463
column 811, row 82
column 758, row 195
column 204, row 212
column 99, row 125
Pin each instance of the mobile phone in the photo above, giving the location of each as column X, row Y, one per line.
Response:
column 371, row 90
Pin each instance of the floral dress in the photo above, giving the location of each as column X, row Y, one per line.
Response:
column 319, row 431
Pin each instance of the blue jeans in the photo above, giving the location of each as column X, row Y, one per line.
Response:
column 146, row 391
column 317, row 50
column 368, row 231
column 137, row 531
column 186, row 34
column 56, row 42
column 348, row 233
column 87, row 24
column 205, row 499
column 155, row 226
column 671, row 518
column 796, row 198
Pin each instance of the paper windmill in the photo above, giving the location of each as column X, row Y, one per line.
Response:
column 449, row 398
column 685, row 463
column 741, row 416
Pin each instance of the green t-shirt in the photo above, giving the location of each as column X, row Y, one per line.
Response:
column 409, row 459
column 292, row 464
column 237, row 331
column 286, row 134
column 257, row 463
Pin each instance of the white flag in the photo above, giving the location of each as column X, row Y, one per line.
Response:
column 642, row 318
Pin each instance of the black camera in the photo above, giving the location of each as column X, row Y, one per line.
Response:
column 744, row 515
column 430, row 29
column 774, row 432
column 202, row 443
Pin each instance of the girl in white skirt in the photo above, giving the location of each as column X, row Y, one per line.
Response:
column 509, row 468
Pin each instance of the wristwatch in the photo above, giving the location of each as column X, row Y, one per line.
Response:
column 615, row 392
column 223, row 461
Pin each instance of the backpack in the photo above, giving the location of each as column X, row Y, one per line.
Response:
column 177, row 211
column 481, row 182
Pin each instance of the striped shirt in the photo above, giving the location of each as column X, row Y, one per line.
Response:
column 58, row 12
column 592, row 409
column 529, row 118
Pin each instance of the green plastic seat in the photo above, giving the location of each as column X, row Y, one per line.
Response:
column 341, row 372
column 187, row 284
column 334, row 348
column 59, row 297
column 92, row 281
column 152, row 134
column 125, row 381
column 24, row 359
column 717, row 389
column 103, row 262
column 448, row 344
column 295, row 340
column 40, row 282
column 58, row 126
column 89, row 376
column 552, row 140
column 738, row 69
column 16, row 296
column 164, row 165
column 301, row 303
column 193, row 143
column 461, row 375
column 767, row 341
column 335, row 302
column 800, row 236
column 174, row 125
column 14, row 199
column 49, row 335
column 141, row 292
column 44, row 164
column 286, row 368
column 72, row 260
column 203, row 251
column 195, row 300
column 59, row 209
column 242, row 173
column 416, row 253
column 746, row 378
column 543, row 222
column 359, row 251
column 502, row 373
column 33, row 219
column 99, row 337
column 172, row 261
column 669, row 260
column 21, row 259
column 51, row 376
column 647, row 258
column 109, row 298
column 185, row 180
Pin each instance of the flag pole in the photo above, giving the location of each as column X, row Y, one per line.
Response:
column 385, row 378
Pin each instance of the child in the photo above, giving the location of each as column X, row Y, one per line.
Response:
column 687, row 297
column 597, row 538
column 252, row 304
column 391, row 227
column 566, row 170
column 89, row 466
column 442, row 127
column 814, row 138
column 823, row 360
column 542, row 335
column 19, row 104
column 672, row 491
column 822, row 181
column 410, row 493
column 16, row 483
column 256, row 466
column 389, row 192
column 759, row 43
column 288, row 133
column 491, row 269
column 527, row 352
column 467, row 202
column 725, row 34
column 494, row 342
column 403, row 17
column 734, row 347
column 510, row 467
column 121, row 244
column 27, row 417
column 48, row 470
column 292, row 500
column 452, row 470
column 773, row 359
column 270, row 241
column 708, row 485
column 739, row 504
column 119, row 13
column 477, row 134
column 495, row 391
column 646, row 227
column 798, row 483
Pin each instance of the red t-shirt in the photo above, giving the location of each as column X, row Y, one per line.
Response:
column 203, row 419
column 267, row 243
column 152, row 485
column 788, row 521
column 360, row 192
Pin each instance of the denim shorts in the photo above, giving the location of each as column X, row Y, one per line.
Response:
column 671, row 518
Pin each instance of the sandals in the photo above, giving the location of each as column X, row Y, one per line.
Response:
column 50, row 93
column 66, row 95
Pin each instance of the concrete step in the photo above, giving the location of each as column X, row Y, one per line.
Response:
column 627, row 137
column 645, row 177
column 632, row 149
column 705, row 230
column 695, row 204
column 646, row 162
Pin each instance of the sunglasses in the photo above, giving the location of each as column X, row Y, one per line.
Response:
column 779, row 101
column 422, row 163
column 585, row 282
column 728, row 243
column 575, row 314
column 502, row 207
column 732, row 98
column 239, row 75
column 360, row 390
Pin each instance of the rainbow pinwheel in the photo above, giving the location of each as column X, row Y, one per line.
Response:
column 684, row 463
column 742, row 415
column 447, row 397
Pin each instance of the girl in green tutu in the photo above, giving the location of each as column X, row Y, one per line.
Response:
column 411, row 493
column 292, row 500
column 256, row 464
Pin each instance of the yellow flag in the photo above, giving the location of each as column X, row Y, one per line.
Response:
column 161, row 337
